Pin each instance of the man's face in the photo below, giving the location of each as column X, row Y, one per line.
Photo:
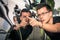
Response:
column 44, row 15
column 25, row 15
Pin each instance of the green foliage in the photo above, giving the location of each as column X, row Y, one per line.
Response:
column 51, row 3
column 58, row 9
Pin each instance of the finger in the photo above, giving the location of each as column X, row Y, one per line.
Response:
column 29, row 18
column 15, row 28
column 32, row 25
column 31, row 22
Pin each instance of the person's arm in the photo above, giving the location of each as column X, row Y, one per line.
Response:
column 45, row 26
column 22, row 24
column 52, row 27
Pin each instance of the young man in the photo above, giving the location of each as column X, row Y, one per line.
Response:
column 24, row 28
column 46, row 21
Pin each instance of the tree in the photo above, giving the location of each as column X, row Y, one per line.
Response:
column 50, row 2
column 58, row 9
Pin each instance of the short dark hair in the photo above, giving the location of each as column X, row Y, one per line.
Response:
column 39, row 6
column 25, row 10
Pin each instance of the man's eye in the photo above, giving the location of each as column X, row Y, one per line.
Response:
column 30, row 16
column 38, row 14
column 24, row 16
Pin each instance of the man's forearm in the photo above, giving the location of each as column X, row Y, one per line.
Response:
column 49, row 27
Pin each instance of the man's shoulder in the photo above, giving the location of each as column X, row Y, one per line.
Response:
column 56, row 19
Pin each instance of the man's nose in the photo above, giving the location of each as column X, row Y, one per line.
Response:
column 41, row 16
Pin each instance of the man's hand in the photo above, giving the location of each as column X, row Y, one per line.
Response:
column 34, row 22
column 22, row 24
column 17, row 26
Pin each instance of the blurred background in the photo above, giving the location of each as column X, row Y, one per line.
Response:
column 29, row 4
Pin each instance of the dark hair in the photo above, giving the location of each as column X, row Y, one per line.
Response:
column 39, row 6
column 24, row 10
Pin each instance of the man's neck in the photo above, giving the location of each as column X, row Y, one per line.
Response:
column 51, row 20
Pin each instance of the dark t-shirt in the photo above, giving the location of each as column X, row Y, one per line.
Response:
column 54, row 36
column 25, row 32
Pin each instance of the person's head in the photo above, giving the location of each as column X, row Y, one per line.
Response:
column 24, row 14
column 44, row 12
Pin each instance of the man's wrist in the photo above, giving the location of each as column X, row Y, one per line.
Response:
column 40, row 24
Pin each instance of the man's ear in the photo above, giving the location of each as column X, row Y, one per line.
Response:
column 51, row 13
